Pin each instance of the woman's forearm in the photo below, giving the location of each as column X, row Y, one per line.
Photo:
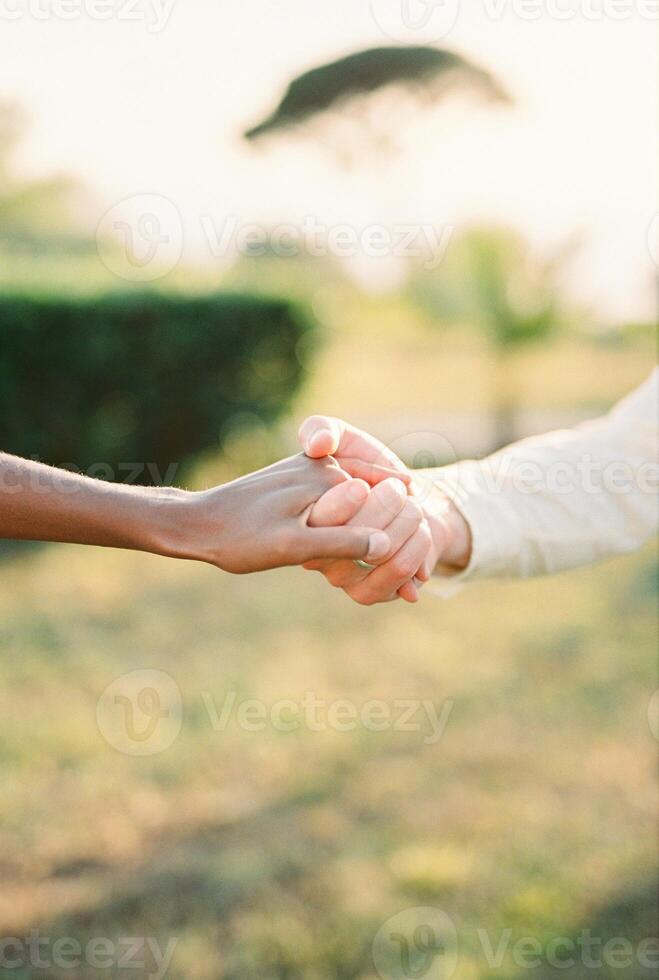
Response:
column 248, row 525
column 41, row 503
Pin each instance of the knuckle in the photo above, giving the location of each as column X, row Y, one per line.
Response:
column 413, row 512
column 335, row 576
column 405, row 567
column 335, row 475
column 425, row 534
column 329, row 472
column 389, row 493
column 363, row 597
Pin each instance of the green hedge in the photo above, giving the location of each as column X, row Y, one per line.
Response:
column 125, row 381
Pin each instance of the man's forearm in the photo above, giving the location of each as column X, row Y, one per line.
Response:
column 562, row 499
column 41, row 503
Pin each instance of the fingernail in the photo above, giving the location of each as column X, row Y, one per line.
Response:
column 392, row 485
column 378, row 546
column 321, row 434
column 391, row 492
column 357, row 491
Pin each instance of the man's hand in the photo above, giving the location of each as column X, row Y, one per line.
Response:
column 358, row 453
column 388, row 507
column 425, row 528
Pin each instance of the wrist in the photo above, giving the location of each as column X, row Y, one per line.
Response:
column 199, row 525
column 451, row 535
column 457, row 552
column 172, row 528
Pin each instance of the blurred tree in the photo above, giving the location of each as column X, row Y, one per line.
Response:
column 490, row 280
column 11, row 124
column 133, row 386
column 32, row 212
column 347, row 89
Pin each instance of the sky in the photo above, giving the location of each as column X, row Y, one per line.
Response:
column 149, row 97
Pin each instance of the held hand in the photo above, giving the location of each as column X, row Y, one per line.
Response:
column 362, row 455
column 358, row 453
column 387, row 507
column 260, row 521
column 423, row 534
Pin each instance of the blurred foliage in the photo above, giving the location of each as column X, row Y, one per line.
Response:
column 490, row 280
column 32, row 213
column 11, row 127
column 427, row 74
column 141, row 378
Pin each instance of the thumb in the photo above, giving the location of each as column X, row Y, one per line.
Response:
column 363, row 543
column 339, row 505
column 320, row 435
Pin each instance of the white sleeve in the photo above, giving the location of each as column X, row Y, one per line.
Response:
column 564, row 499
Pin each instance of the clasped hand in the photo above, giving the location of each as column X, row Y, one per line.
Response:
column 424, row 528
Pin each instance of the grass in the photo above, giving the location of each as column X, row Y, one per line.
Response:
column 275, row 854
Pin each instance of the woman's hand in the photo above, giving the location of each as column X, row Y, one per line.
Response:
column 254, row 523
column 261, row 520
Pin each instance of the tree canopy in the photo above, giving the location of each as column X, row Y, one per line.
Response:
column 365, row 72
